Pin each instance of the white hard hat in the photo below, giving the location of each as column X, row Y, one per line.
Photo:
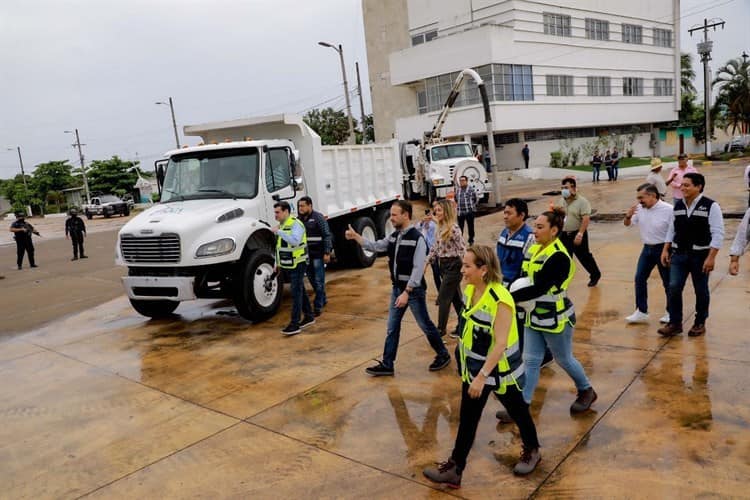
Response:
column 520, row 284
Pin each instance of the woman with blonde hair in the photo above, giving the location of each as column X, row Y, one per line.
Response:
column 489, row 360
column 448, row 250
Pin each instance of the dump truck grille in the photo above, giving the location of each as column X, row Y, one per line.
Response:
column 164, row 248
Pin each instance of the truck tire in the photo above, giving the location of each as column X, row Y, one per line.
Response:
column 383, row 222
column 408, row 190
column 154, row 308
column 107, row 213
column 257, row 293
column 89, row 216
column 126, row 212
column 359, row 256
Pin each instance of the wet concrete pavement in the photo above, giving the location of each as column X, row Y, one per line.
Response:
column 106, row 404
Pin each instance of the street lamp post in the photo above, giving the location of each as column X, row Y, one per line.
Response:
column 83, row 167
column 174, row 122
column 340, row 50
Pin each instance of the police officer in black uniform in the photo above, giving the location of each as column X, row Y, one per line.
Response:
column 22, row 232
column 75, row 230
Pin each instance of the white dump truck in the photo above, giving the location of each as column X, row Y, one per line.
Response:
column 210, row 235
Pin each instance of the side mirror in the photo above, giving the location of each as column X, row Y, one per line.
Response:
column 161, row 172
column 276, row 197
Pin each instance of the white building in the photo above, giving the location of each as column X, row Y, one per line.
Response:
column 554, row 70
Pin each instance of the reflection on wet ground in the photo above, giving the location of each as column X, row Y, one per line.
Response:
column 206, row 405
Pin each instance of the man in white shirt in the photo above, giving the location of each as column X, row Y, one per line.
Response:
column 655, row 177
column 653, row 217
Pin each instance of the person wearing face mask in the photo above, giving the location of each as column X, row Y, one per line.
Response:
column 653, row 217
column 22, row 232
column 574, row 233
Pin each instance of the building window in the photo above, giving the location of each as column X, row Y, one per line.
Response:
column 559, row 134
column 662, row 86
column 422, row 102
column 509, row 138
column 423, row 37
column 599, row 85
column 632, row 86
column 662, row 38
column 596, row 29
column 556, row 24
column 504, row 82
column 512, row 82
column 632, row 33
column 559, row 85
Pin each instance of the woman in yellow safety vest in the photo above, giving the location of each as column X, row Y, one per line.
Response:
column 551, row 319
column 489, row 362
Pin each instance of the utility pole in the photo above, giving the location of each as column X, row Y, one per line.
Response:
column 83, row 167
column 23, row 176
column 340, row 50
column 704, row 49
column 361, row 106
column 174, row 122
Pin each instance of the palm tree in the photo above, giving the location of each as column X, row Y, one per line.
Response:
column 687, row 74
column 733, row 82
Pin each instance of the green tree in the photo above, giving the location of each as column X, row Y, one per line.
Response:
column 733, row 97
column 332, row 126
column 369, row 130
column 53, row 176
column 112, row 176
column 687, row 74
column 15, row 191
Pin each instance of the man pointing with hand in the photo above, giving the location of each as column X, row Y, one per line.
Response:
column 407, row 253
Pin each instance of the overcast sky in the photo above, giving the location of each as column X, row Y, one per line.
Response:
column 99, row 66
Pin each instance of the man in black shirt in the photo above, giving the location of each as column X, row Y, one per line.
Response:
column 22, row 232
column 75, row 230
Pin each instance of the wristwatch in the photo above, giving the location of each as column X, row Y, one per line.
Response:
column 486, row 375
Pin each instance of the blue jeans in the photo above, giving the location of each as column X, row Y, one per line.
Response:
column 650, row 257
column 682, row 265
column 418, row 308
column 595, row 173
column 316, row 273
column 300, row 301
column 561, row 345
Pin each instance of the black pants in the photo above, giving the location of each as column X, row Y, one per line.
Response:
column 24, row 245
column 471, row 413
column 469, row 220
column 582, row 252
column 450, row 290
column 526, row 161
column 77, row 239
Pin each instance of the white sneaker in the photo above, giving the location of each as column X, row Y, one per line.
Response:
column 637, row 317
column 664, row 319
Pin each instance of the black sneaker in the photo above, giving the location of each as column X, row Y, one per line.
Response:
column 307, row 322
column 317, row 312
column 379, row 370
column 84, row 256
column 74, row 258
column 33, row 265
column 440, row 362
column 291, row 329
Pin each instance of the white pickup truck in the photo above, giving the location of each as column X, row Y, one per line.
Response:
column 210, row 236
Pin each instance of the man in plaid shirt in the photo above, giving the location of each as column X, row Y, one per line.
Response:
column 466, row 202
